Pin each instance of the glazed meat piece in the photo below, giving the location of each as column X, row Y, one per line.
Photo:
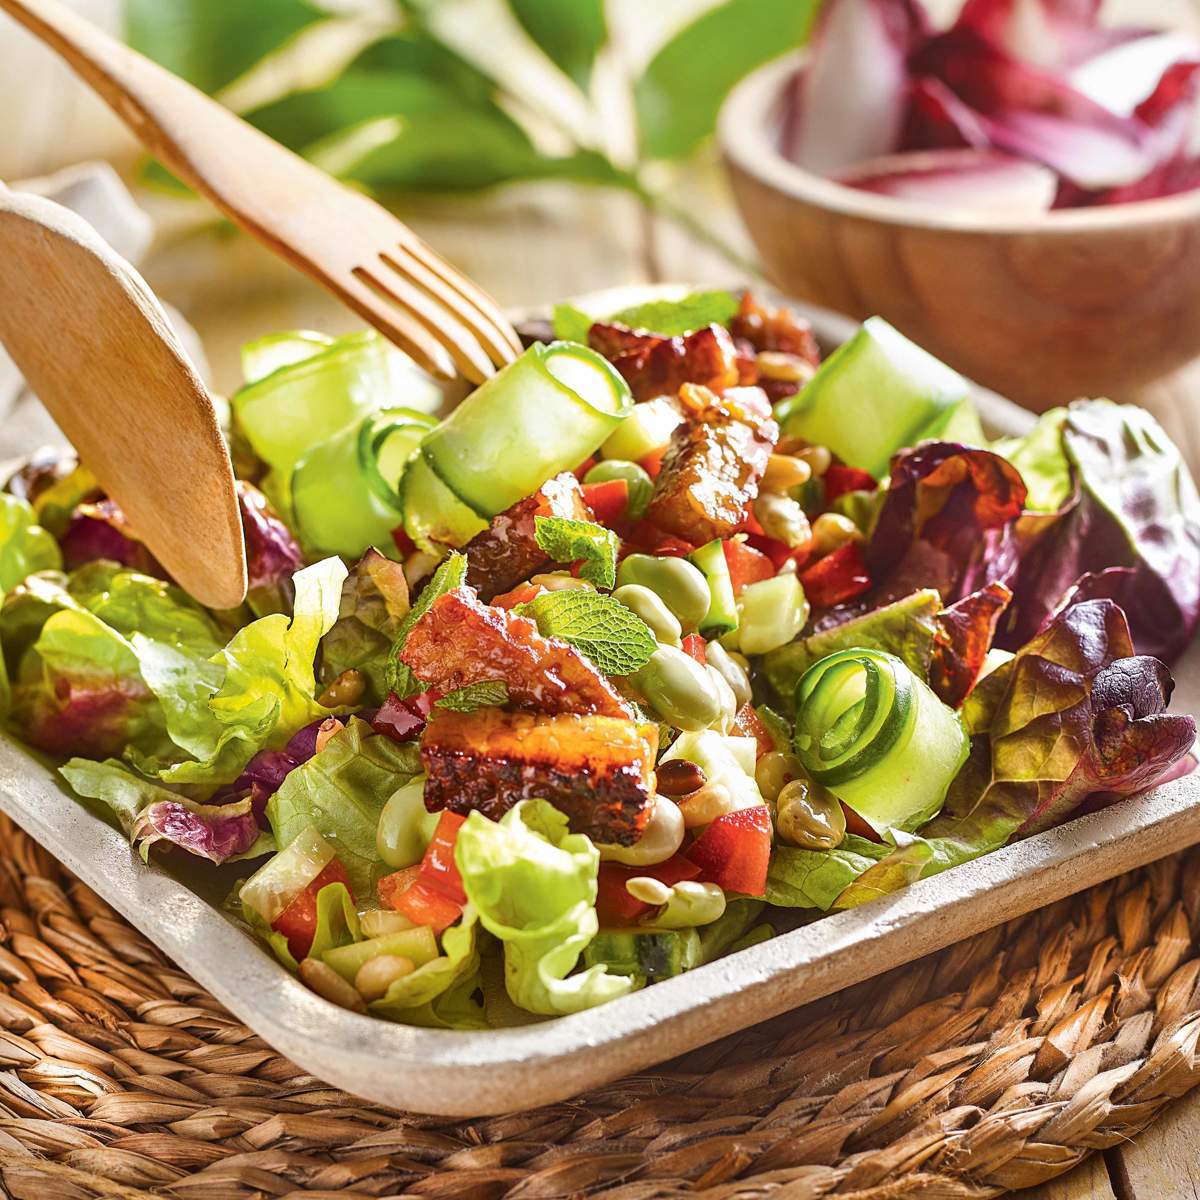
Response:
column 460, row 641
column 712, row 466
column 597, row 770
column 507, row 553
column 654, row 365
column 775, row 329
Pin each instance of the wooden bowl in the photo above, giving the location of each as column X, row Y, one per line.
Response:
column 1044, row 309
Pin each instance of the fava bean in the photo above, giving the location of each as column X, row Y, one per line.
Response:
column 690, row 904
column 679, row 689
column 648, row 605
column 681, row 586
column 404, row 829
column 728, row 701
column 559, row 581
column 378, row 974
column 807, row 815
column 661, row 838
column 379, row 922
column 731, row 671
column 775, row 770
column 641, row 486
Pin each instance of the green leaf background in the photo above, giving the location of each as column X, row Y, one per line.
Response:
column 412, row 112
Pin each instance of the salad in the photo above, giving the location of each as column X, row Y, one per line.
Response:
column 668, row 637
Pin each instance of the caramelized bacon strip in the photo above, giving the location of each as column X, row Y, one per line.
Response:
column 507, row 553
column 654, row 365
column 712, row 466
column 460, row 642
column 775, row 329
column 597, row 770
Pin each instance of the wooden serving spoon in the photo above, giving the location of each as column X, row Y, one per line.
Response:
column 97, row 349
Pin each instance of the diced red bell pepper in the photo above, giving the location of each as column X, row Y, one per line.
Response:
column 858, row 826
column 839, row 576
column 694, row 646
column 615, row 907
column 404, row 543
column 405, row 892
column 298, row 922
column 608, row 500
column 777, row 552
column 652, row 463
column 746, row 565
column 521, row 594
column 438, row 868
column 584, row 467
column 748, row 723
column 839, row 480
column 646, row 538
column 735, row 851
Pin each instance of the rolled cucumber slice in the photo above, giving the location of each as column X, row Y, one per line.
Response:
column 267, row 354
column 722, row 615
column 284, row 876
column 874, row 734
column 876, row 394
column 545, row 413
column 345, row 491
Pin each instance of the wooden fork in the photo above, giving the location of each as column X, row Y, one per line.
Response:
column 346, row 241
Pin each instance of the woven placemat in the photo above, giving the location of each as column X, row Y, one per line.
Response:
column 994, row 1065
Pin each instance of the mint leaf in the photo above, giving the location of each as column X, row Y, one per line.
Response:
column 571, row 324
column 672, row 318
column 568, row 541
column 487, row 694
column 616, row 641
column 450, row 575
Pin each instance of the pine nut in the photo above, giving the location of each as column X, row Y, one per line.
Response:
column 647, row 890
column 329, row 985
column 788, row 368
column 819, row 459
column 785, row 472
column 378, row 974
column 554, row 582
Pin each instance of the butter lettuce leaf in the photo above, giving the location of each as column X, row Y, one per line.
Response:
column 341, row 791
column 533, row 885
column 25, row 546
column 816, row 878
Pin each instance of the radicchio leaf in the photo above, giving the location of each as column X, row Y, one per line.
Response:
column 970, row 180
column 946, row 507
column 963, row 638
column 849, row 104
column 215, row 832
column 273, row 555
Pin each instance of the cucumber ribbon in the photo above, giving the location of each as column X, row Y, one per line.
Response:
column 877, row 737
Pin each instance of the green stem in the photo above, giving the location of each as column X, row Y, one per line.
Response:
column 665, row 207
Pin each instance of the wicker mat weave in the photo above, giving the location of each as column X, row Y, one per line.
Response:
column 994, row 1065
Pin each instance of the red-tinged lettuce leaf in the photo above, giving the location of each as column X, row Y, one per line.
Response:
column 947, row 507
column 273, row 555
column 375, row 601
column 1073, row 714
column 1133, row 506
column 963, row 637
column 101, row 531
column 217, row 832
column 1051, row 33
column 849, row 103
column 974, row 180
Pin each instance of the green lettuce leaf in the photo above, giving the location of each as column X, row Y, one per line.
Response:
column 904, row 864
column 1040, row 459
column 253, row 694
column 569, row 541
column 25, row 546
column 440, row 993
column 905, row 628
column 816, row 878
column 123, row 793
column 534, row 887
column 617, row 641
column 341, row 791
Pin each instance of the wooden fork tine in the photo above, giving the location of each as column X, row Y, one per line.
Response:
column 491, row 335
column 393, row 288
column 396, row 325
column 466, row 288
